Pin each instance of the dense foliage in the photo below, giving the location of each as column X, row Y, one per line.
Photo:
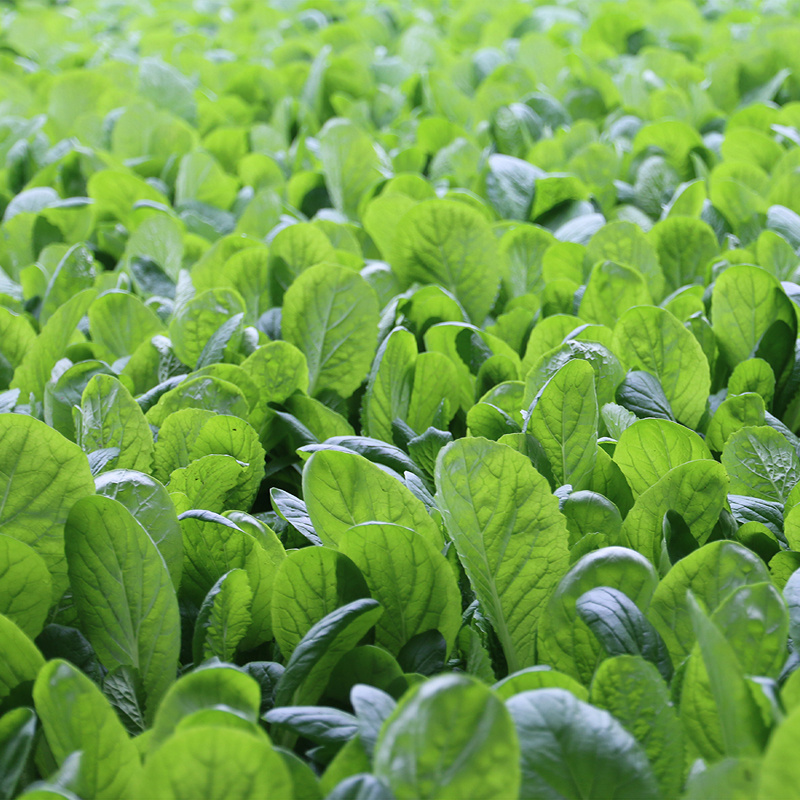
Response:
column 399, row 400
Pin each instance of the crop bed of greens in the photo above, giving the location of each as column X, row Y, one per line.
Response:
column 399, row 400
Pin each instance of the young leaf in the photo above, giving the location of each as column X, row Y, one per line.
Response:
column 76, row 716
column 223, row 618
column 564, row 421
column 344, row 489
column 410, row 578
column 17, row 729
column 509, row 535
column 632, row 690
column 216, row 763
column 482, row 754
column 310, row 584
column 330, row 313
column 123, row 592
column 25, row 586
column 44, row 474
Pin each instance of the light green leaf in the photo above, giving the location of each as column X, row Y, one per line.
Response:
column 20, row 659
column 684, row 245
column 196, row 321
column 110, row 417
column 761, row 463
column 564, row 420
column 310, row 584
column 653, row 340
column 344, row 489
column 696, row 490
column 43, row 475
column 649, row 448
column 746, row 301
column 313, row 660
column 390, row 385
column 214, row 686
column 25, row 586
column 780, row 770
column 481, row 756
column 632, row 690
column 565, row 642
column 120, row 322
column 34, row 371
column 612, row 289
column 447, row 243
column 123, row 593
column 223, row 618
column 215, row 763
column 76, row 716
column 350, row 163
column 330, row 313
column 410, row 578
column 509, row 534
column 711, row 574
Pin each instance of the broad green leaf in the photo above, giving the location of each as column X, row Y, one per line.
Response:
column 207, row 392
column 217, row 763
column 279, row 369
column 653, row 340
column 390, row 385
column 696, row 490
column 123, row 592
column 541, row 677
column 624, row 243
column 509, row 534
column 76, row 716
column 196, row 321
column 20, row 659
column 511, row 186
column 294, row 250
column 309, row 669
column 223, row 618
column 746, row 301
column 310, row 584
column 734, row 413
column 17, row 730
column 711, row 574
column 44, row 475
column 761, row 463
column 120, row 322
column 213, row 686
column 110, row 417
column 684, row 246
column 729, row 779
column 523, row 249
column 410, row 578
column 34, row 371
column 212, row 546
column 612, row 289
column 481, row 754
column 564, row 421
column 744, row 731
column 350, row 163
column 565, row 642
column 150, row 504
column 649, row 448
column 17, row 336
column 630, row 689
column 447, row 243
column 25, row 586
column 572, row 750
column 75, row 272
column 344, row 489
column 331, row 314
column 753, row 375
column 208, row 482
column 779, row 768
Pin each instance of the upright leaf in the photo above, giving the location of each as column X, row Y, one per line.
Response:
column 123, row 593
column 509, row 534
